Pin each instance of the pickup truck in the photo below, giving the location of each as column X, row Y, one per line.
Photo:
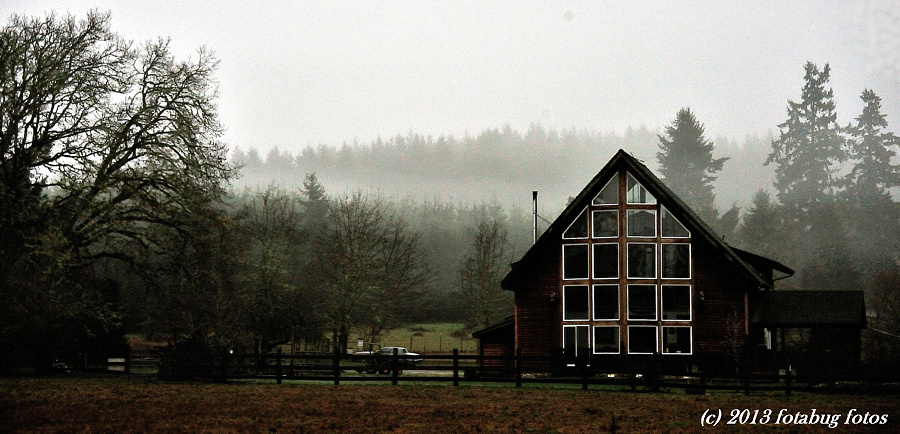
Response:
column 382, row 359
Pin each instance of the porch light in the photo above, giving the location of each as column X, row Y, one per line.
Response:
column 553, row 296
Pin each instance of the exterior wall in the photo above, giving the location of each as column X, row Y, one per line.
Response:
column 721, row 306
column 721, row 313
column 538, row 319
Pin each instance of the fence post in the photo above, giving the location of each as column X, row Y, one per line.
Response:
column 128, row 359
column 394, row 367
column 278, row 366
column 787, row 384
column 336, row 365
column 703, row 382
column 746, row 375
column 518, row 367
column 583, row 364
column 455, row 367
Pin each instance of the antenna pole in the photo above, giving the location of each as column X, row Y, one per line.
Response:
column 535, row 218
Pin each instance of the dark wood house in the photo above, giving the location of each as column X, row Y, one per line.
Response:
column 628, row 274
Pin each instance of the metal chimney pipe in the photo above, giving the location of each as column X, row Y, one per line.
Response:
column 534, row 217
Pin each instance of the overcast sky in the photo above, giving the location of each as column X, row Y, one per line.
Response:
column 309, row 73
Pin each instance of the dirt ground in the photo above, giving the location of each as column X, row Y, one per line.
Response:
column 144, row 404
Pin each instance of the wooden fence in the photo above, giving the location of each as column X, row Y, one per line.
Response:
column 455, row 368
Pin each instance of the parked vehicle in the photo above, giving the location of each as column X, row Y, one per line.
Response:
column 382, row 360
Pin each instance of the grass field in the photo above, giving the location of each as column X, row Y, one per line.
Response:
column 429, row 338
column 144, row 404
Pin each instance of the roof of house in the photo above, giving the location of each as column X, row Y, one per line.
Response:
column 810, row 308
column 496, row 328
column 623, row 160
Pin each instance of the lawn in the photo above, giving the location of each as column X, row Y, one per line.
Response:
column 429, row 338
column 144, row 404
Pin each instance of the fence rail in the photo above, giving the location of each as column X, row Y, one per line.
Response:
column 456, row 368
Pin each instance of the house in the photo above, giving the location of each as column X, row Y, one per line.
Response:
column 629, row 276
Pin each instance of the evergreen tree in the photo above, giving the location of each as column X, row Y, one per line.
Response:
column 809, row 149
column 871, row 150
column 315, row 204
column 872, row 215
column 761, row 225
column 686, row 161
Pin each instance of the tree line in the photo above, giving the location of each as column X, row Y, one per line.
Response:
column 832, row 218
column 119, row 213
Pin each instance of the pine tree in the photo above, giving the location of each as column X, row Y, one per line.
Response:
column 871, row 151
column 761, row 225
column 809, row 150
column 686, row 161
column 315, row 204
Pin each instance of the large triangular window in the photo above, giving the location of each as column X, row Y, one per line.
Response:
column 610, row 193
column 637, row 194
column 578, row 228
column 671, row 227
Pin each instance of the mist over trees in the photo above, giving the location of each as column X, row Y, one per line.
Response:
column 686, row 163
column 816, row 197
column 117, row 215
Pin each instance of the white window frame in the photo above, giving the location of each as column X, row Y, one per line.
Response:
column 655, row 333
column 655, row 261
column 575, row 326
column 589, row 304
column 662, row 330
column 618, row 298
column 618, row 341
column 615, row 178
column 663, row 210
column 662, row 308
column 563, row 271
column 594, row 233
column 655, row 302
column 582, row 215
column 628, row 214
column 690, row 261
column 593, row 257
column 638, row 183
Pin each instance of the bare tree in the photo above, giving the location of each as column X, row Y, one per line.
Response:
column 270, row 225
column 368, row 265
column 100, row 142
column 482, row 270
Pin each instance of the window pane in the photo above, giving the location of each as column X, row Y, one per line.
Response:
column 606, row 224
column 610, row 193
column 676, row 340
column 642, row 302
column 578, row 228
column 575, row 261
column 575, row 302
column 676, row 302
column 676, row 261
column 642, row 261
column 606, row 302
column 606, row 339
column 606, row 261
column 641, row 223
column 641, row 339
column 671, row 227
column 575, row 339
column 637, row 193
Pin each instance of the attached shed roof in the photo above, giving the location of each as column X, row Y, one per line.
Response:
column 505, row 326
column 810, row 309
column 623, row 160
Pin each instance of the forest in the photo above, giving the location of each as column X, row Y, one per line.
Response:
column 123, row 213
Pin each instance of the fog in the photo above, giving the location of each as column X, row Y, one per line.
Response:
column 307, row 75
